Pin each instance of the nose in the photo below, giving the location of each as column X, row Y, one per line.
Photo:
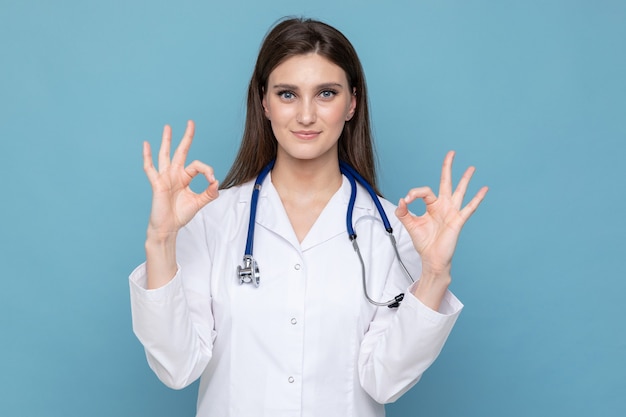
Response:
column 307, row 114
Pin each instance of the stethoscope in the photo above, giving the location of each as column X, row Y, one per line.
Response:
column 249, row 272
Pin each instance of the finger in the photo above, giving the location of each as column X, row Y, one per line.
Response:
column 445, row 185
column 183, row 149
column 461, row 188
column 148, row 166
column 471, row 207
column 164, row 151
column 424, row 193
column 211, row 192
column 197, row 167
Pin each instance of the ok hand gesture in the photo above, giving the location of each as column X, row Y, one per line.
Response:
column 173, row 202
column 436, row 232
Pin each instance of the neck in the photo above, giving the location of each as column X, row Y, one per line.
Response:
column 306, row 178
column 305, row 187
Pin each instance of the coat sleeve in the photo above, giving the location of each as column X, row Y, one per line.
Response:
column 402, row 343
column 175, row 323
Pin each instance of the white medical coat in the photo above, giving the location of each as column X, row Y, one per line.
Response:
column 304, row 343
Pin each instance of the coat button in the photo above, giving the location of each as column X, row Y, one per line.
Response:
column 294, row 321
column 296, row 267
column 290, row 379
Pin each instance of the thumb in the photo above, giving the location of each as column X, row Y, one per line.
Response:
column 402, row 211
column 209, row 194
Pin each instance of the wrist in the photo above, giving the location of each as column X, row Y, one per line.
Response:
column 431, row 288
column 157, row 239
column 160, row 259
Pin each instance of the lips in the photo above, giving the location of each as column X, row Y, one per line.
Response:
column 306, row 134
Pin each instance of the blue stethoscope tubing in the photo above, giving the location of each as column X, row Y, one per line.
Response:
column 249, row 272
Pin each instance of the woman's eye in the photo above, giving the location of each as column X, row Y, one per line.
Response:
column 328, row 94
column 286, row 95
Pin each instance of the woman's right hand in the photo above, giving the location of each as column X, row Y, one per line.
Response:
column 173, row 203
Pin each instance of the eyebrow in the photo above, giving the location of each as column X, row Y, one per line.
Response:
column 295, row 87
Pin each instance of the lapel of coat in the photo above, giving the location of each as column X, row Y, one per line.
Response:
column 271, row 213
column 331, row 222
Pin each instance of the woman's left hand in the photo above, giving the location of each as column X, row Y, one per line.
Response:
column 436, row 232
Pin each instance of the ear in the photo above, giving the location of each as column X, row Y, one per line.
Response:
column 264, row 103
column 352, row 107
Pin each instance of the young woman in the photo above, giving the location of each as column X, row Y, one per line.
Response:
column 300, row 327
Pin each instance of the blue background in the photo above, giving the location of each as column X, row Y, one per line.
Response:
column 533, row 93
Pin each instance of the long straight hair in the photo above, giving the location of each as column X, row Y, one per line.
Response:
column 292, row 37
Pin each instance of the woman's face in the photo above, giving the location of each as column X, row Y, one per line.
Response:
column 308, row 101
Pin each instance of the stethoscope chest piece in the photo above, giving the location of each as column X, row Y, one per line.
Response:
column 249, row 272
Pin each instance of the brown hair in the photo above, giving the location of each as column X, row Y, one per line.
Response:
column 291, row 37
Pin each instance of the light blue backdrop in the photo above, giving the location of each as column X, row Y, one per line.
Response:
column 533, row 93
